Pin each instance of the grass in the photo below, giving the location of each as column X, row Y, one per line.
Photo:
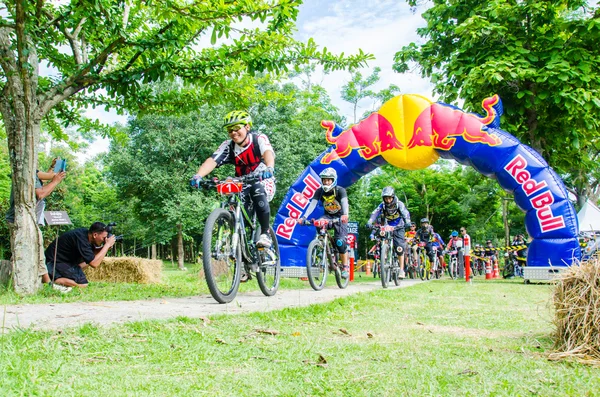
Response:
column 442, row 338
column 176, row 283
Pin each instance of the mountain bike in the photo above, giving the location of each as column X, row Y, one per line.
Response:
column 375, row 252
column 424, row 265
column 453, row 264
column 390, row 268
column 512, row 267
column 436, row 267
column 411, row 265
column 229, row 244
column 322, row 256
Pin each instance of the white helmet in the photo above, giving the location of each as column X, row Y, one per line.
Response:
column 328, row 173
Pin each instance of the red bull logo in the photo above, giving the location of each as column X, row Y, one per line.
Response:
column 439, row 125
column 371, row 137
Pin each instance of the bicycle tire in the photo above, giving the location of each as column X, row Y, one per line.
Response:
column 222, row 273
column 340, row 281
column 316, row 265
column 385, row 267
column 508, row 270
column 421, row 268
column 268, row 275
column 396, row 274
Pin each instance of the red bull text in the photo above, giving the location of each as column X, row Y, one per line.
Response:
column 301, row 200
column 517, row 168
column 439, row 124
column 371, row 137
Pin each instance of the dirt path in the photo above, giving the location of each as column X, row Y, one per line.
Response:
column 54, row 316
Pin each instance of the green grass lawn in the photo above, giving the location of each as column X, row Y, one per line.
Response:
column 442, row 338
column 175, row 283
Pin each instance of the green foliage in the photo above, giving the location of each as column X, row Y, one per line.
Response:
column 541, row 57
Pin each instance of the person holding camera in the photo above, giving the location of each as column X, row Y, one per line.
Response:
column 76, row 250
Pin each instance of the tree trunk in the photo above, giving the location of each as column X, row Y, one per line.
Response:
column 180, row 250
column 153, row 251
column 505, row 219
column 22, row 132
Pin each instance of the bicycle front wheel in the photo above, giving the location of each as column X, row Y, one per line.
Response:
column 269, row 270
column 316, row 265
column 386, row 261
column 222, row 266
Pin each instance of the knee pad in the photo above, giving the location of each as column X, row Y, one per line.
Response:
column 399, row 250
column 341, row 246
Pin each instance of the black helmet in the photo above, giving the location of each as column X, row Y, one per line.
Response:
column 388, row 191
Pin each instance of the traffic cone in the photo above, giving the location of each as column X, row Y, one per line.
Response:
column 368, row 267
column 488, row 270
column 496, row 270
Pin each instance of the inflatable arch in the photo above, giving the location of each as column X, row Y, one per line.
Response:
column 411, row 132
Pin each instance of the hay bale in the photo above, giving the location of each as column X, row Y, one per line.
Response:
column 577, row 318
column 126, row 269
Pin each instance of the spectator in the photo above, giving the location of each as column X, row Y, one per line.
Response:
column 77, row 249
column 41, row 192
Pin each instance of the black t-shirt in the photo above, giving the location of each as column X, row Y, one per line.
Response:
column 73, row 248
column 331, row 200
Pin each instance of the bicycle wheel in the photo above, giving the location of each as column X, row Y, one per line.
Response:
column 454, row 268
column 421, row 266
column 385, row 264
column 269, row 269
column 508, row 270
column 396, row 272
column 341, row 282
column 438, row 269
column 316, row 265
column 427, row 268
column 221, row 265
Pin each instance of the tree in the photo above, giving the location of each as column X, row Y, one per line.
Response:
column 541, row 57
column 357, row 89
column 105, row 52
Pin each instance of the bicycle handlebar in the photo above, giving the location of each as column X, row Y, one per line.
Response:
column 211, row 183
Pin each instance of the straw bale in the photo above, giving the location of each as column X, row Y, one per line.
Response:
column 126, row 269
column 577, row 319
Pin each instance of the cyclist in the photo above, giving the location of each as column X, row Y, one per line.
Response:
column 392, row 212
column 520, row 253
column 252, row 154
column 409, row 236
column 439, row 244
column 425, row 234
column 335, row 203
column 490, row 252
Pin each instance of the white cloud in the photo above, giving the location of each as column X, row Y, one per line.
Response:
column 380, row 27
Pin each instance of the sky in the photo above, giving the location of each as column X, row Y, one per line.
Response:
column 378, row 27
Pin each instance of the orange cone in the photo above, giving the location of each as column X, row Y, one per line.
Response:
column 368, row 267
column 488, row 270
column 496, row 270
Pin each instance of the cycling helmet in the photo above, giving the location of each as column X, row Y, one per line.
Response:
column 488, row 242
column 454, row 233
column 424, row 220
column 237, row 117
column 388, row 191
column 328, row 173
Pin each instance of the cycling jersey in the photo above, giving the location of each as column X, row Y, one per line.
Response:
column 245, row 158
column 425, row 235
column 397, row 216
column 335, row 202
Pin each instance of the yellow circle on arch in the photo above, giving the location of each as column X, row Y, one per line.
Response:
column 402, row 112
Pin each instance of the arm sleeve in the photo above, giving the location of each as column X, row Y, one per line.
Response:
column 405, row 213
column 344, row 202
column 313, row 203
column 264, row 144
column 375, row 214
column 223, row 155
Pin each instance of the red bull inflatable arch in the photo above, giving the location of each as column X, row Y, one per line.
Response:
column 411, row 132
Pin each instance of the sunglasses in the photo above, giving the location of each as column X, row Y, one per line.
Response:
column 235, row 128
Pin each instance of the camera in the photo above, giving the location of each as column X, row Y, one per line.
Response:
column 109, row 229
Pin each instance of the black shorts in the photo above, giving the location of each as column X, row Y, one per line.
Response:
column 63, row 270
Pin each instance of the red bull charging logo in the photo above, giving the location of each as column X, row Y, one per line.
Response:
column 370, row 137
column 439, row 125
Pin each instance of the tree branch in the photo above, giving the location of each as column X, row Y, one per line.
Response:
column 78, row 81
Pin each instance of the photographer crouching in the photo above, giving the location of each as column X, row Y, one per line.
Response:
column 76, row 250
